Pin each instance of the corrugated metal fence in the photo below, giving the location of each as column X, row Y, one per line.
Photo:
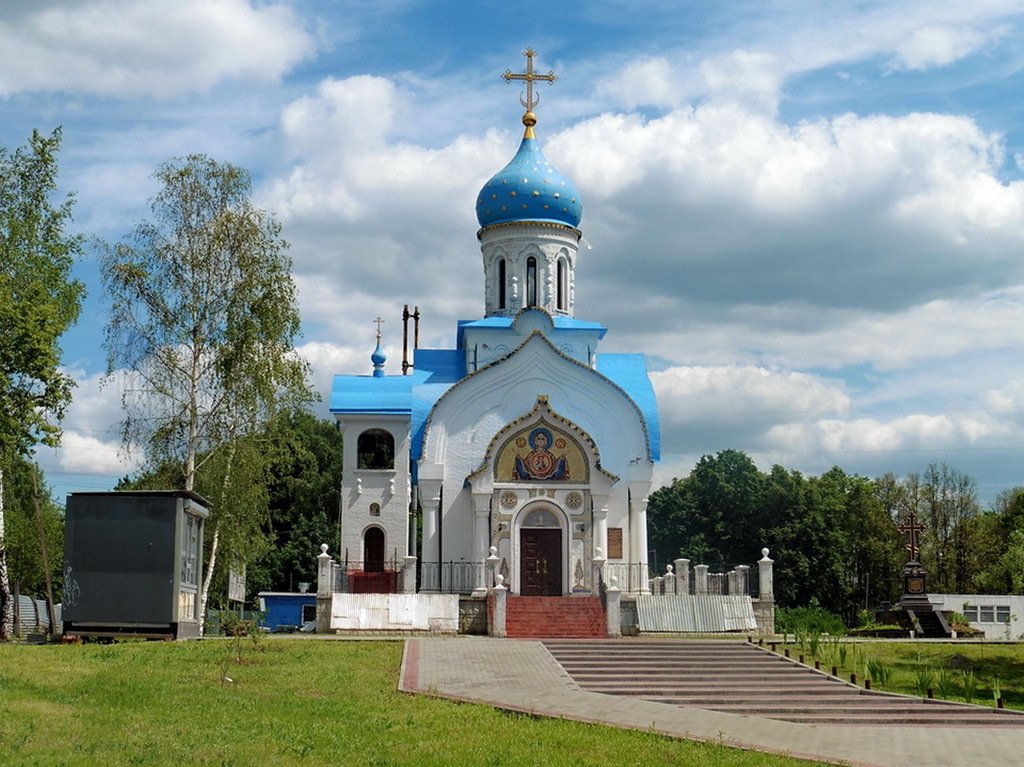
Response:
column 705, row 613
column 32, row 617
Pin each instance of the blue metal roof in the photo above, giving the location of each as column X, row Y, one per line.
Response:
column 629, row 371
column 560, row 322
column 369, row 394
column 437, row 370
column 442, row 364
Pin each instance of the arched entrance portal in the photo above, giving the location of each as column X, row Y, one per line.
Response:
column 373, row 550
column 541, row 554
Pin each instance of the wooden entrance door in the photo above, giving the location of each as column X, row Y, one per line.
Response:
column 541, row 562
column 373, row 550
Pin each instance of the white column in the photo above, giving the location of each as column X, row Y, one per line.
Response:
column 430, row 499
column 481, row 537
column 638, row 539
column 601, row 524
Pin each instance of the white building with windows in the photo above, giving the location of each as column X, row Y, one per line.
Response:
column 523, row 437
column 1000, row 616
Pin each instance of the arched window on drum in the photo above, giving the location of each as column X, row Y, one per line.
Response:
column 563, row 285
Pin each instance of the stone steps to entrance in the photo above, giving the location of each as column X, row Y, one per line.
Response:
column 555, row 617
column 740, row 678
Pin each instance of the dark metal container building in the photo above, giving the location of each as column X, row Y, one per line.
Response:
column 133, row 563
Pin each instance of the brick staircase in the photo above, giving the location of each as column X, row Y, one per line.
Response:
column 740, row 678
column 555, row 617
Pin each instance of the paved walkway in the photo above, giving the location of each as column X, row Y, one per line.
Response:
column 521, row 675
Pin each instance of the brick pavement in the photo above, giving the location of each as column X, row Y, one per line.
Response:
column 521, row 675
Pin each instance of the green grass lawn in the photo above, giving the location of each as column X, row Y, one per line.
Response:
column 291, row 701
column 906, row 660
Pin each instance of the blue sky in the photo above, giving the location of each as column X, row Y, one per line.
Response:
column 809, row 216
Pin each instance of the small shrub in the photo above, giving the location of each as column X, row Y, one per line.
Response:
column 808, row 620
column 970, row 681
column 924, row 680
column 814, row 644
column 944, row 685
column 233, row 626
column 878, row 672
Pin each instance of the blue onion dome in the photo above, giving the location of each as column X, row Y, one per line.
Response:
column 378, row 358
column 529, row 189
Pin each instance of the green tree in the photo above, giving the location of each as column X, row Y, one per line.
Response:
column 24, row 487
column 996, row 546
column 304, row 499
column 711, row 516
column 39, row 301
column 948, row 502
column 204, row 318
column 833, row 536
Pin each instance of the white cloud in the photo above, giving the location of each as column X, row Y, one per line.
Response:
column 83, row 454
column 936, row 45
column 740, row 393
column 1008, row 401
column 644, row 81
column 717, row 207
column 146, row 48
column 91, row 443
column 914, row 431
column 751, row 78
column 729, row 405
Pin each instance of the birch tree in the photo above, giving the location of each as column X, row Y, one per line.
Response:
column 202, row 326
column 39, row 301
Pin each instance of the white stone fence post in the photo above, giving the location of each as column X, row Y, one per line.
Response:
column 766, row 578
column 682, row 576
column 324, row 590
column 499, row 594
column 700, row 579
column 613, row 610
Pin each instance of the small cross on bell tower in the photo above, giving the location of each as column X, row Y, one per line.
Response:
column 378, row 357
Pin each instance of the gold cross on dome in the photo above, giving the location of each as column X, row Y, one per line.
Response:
column 529, row 76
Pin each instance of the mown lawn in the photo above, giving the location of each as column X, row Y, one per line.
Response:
column 290, row 702
column 907, row 662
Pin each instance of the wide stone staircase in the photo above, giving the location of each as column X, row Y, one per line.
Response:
column 742, row 678
column 555, row 617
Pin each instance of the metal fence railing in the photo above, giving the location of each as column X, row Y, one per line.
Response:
column 353, row 577
column 454, row 577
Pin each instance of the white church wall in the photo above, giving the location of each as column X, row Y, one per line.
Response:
column 466, row 420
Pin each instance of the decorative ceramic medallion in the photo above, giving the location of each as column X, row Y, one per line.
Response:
column 574, row 500
column 509, row 499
